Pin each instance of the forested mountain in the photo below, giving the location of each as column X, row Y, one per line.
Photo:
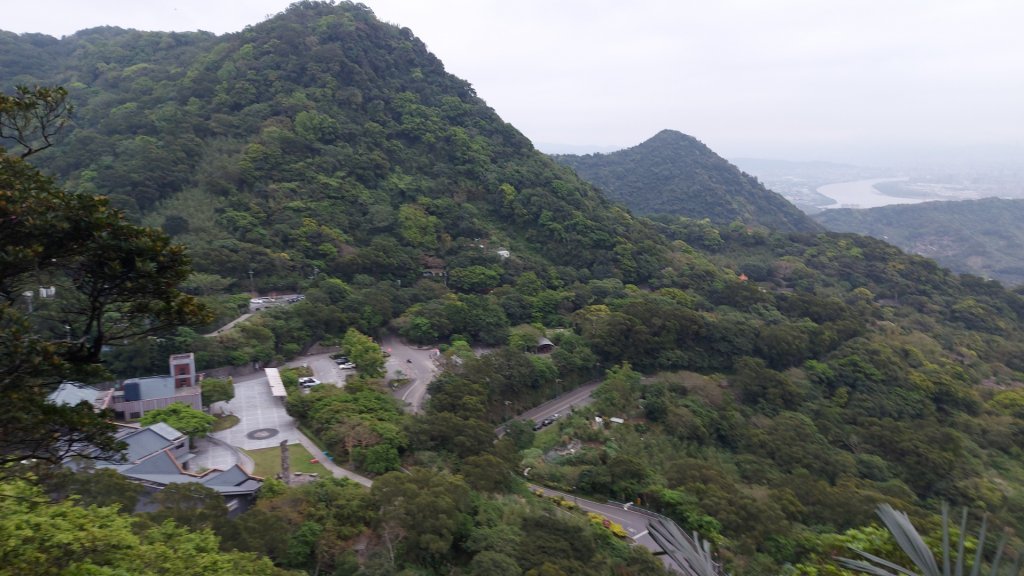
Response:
column 776, row 381
column 677, row 175
column 320, row 139
column 980, row 237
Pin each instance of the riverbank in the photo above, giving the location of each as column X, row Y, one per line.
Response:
column 863, row 194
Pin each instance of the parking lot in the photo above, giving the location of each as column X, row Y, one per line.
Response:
column 324, row 369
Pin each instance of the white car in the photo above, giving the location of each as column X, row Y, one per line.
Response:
column 346, row 366
column 308, row 382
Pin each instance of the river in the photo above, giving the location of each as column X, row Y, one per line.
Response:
column 862, row 194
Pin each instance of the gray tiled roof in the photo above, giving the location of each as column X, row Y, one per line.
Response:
column 159, row 463
column 168, row 432
column 231, row 481
column 230, row 477
column 142, row 443
column 250, row 486
column 162, row 479
column 149, row 460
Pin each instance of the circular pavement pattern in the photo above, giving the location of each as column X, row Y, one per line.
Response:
column 262, row 433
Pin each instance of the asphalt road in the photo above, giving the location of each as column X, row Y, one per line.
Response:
column 634, row 523
column 416, row 364
column 561, row 405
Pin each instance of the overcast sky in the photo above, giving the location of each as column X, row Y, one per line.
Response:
column 857, row 81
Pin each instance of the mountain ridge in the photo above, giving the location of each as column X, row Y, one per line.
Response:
column 969, row 236
column 333, row 116
column 673, row 173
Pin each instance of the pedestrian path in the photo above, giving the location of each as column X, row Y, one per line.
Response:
column 228, row 326
column 336, row 470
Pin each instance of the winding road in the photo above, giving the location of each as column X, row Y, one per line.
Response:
column 638, row 525
column 418, row 366
column 634, row 523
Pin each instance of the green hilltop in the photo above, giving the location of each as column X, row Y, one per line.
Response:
column 677, row 175
column 318, row 139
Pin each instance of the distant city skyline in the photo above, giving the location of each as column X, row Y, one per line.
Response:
column 844, row 81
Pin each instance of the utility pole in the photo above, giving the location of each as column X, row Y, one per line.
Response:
column 252, row 285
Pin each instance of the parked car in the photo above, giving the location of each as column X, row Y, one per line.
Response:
column 308, row 382
column 338, row 359
column 545, row 422
column 346, row 365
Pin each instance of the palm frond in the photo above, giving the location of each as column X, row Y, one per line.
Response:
column 913, row 545
column 906, row 536
column 976, row 568
column 960, row 546
column 877, row 560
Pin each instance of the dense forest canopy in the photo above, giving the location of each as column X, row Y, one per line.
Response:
column 776, row 381
column 980, row 237
column 677, row 175
column 304, row 141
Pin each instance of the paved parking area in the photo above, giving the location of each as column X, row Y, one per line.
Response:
column 324, row 369
column 415, row 364
column 263, row 422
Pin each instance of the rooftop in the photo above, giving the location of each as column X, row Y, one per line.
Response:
column 73, row 393
column 150, row 459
